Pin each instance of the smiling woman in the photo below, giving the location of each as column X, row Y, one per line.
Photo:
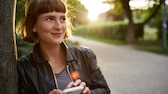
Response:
column 95, row 7
column 52, row 65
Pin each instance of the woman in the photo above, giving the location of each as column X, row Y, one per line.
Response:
column 53, row 66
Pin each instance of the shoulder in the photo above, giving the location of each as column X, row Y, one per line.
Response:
column 81, row 49
column 25, row 57
column 24, row 60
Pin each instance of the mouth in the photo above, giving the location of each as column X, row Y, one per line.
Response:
column 57, row 34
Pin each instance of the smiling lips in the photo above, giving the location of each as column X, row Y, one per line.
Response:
column 57, row 34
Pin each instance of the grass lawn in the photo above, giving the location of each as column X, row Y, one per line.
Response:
column 150, row 42
column 154, row 47
column 149, row 46
column 110, row 41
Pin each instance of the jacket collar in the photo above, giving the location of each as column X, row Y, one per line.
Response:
column 39, row 58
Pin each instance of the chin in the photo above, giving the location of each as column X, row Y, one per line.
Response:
column 58, row 41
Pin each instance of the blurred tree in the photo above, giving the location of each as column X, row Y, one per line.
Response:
column 115, row 13
column 8, row 55
column 134, row 28
column 20, row 11
column 153, row 22
column 77, row 12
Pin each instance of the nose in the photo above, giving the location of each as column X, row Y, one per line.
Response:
column 57, row 25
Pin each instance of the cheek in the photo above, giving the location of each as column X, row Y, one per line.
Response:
column 64, row 27
column 43, row 27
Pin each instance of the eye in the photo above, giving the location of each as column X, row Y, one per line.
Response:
column 49, row 19
column 62, row 19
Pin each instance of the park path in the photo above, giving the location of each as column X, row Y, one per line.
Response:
column 129, row 71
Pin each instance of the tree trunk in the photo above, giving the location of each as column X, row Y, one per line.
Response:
column 139, row 30
column 130, row 37
column 8, row 74
column 135, row 30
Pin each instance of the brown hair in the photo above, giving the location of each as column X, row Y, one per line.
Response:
column 37, row 7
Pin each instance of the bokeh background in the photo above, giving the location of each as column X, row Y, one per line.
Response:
column 129, row 38
column 119, row 22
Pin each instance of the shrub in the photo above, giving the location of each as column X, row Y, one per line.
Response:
column 103, row 30
column 22, row 46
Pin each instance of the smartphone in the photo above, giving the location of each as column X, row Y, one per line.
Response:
column 73, row 90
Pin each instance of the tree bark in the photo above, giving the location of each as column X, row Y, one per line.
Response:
column 8, row 73
column 130, row 35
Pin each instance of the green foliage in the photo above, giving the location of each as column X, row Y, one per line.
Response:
column 145, row 13
column 117, row 6
column 151, row 46
column 109, row 41
column 111, row 30
column 20, row 11
column 76, row 12
column 22, row 46
column 150, row 34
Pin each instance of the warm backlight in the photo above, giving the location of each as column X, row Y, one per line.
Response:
column 95, row 7
column 75, row 75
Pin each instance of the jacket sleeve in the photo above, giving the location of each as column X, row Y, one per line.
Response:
column 98, row 82
column 22, row 83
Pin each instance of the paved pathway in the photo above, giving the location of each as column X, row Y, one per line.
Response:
column 129, row 71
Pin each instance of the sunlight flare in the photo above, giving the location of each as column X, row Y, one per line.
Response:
column 95, row 7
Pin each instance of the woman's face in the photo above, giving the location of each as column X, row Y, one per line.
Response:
column 50, row 27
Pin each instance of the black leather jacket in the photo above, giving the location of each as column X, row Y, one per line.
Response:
column 36, row 76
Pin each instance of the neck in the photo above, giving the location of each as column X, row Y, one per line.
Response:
column 53, row 53
column 56, row 57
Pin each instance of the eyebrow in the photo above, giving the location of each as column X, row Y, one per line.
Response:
column 52, row 16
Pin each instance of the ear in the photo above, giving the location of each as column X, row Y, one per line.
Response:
column 34, row 29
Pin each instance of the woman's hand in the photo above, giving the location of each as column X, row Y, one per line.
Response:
column 55, row 91
column 78, row 82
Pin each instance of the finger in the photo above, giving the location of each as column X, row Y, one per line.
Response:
column 71, row 84
column 55, row 91
column 77, row 82
column 86, row 90
column 83, row 84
